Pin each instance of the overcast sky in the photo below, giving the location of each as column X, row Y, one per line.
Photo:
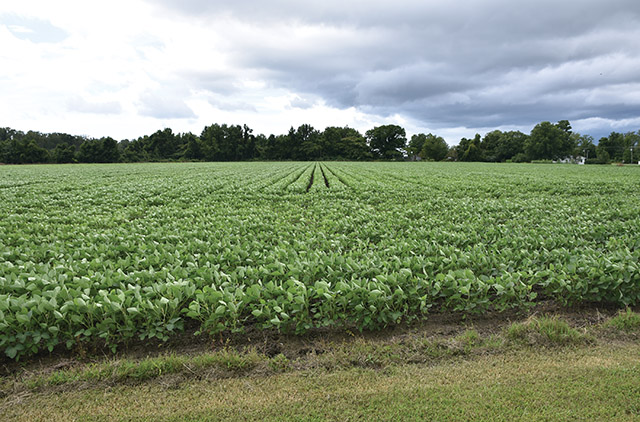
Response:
column 127, row 68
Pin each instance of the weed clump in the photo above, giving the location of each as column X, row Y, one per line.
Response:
column 545, row 331
column 627, row 321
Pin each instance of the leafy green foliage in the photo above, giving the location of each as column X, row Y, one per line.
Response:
column 106, row 253
column 386, row 141
column 549, row 141
column 434, row 148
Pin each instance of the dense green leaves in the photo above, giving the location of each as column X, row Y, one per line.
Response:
column 113, row 252
column 549, row 141
column 434, row 148
column 224, row 142
column 387, row 141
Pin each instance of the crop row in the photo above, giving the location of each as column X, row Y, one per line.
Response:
column 107, row 253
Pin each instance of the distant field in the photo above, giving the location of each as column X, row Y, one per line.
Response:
column 105, row 253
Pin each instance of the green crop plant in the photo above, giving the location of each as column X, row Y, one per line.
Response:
column 103, row 254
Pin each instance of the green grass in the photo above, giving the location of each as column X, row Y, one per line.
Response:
column 538, row 369
column 545, row 330
column 128, row 370
column 584, row 383
column 627, row 320
column 358, row 352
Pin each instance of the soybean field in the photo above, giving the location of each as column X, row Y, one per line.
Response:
column 101, row 254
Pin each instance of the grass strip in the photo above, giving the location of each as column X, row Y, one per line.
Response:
column 533, row 333
column 554, row 384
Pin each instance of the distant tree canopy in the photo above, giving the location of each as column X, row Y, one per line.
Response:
column 619, row 147
column 549, row 141
column 434, row 148
column 222, row 142
column 415, row 145
column 387, row 141
column 470, row 149
column 500, row 146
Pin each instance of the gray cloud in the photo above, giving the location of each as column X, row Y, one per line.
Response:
column 488, row 16
column 302, row 103
column 464, row 64
column 215, row 82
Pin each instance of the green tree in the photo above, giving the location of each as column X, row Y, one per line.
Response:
column 602, row 155
column 284, row 146
column 226, row 143
column 549, row 141
column 247, row 148
column 490, row 144
column 89, row 151
column 163, row 145
column 498, row 146
column 615, row 145
column 193, row 149
column 434, row 148
column 354, row 147
column 387, row 141
column 265, row 147
column 8, row 134
column 23, row 151
column 134, row 151
column 230, row 141
column 416, row 144
column 584, row 146
column 510, row 144
column 452, row 154
column 306, row 142
column 470, row 149
column 38, row 138
column 109, row 151
column 209, row 142
column 631, row 147
column 64, row 153
column 33, row 153
column 51, row 140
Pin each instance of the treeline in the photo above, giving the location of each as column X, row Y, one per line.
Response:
column 547, row 141
column 215, row 143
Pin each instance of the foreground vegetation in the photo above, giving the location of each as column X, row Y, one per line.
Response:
column 99, row 255
column 592, row 384
column 539, row 368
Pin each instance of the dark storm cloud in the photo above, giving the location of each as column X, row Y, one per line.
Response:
column 491, row 16
column 464, row 64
